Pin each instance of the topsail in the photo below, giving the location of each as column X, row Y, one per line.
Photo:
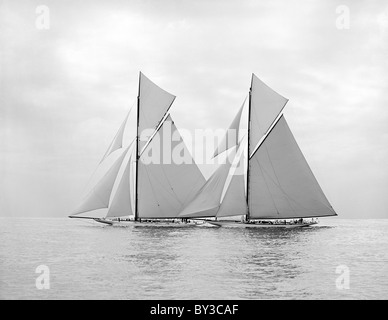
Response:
column 266, row 105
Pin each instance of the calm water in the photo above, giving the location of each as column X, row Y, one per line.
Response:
column 90, row 261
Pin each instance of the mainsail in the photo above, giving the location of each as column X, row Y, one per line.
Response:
column 282, row 184
column 168, row 178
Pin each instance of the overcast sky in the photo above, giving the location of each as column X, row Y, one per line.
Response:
column 64, row 91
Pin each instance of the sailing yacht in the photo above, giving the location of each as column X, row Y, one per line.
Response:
column 279, row 186
column 133, row 190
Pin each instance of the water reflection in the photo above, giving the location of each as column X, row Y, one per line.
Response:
column 265, row 259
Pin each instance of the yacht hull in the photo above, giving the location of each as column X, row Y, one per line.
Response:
column 236, row 224
column 154, row 223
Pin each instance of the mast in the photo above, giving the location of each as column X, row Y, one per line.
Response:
column 137, row 152
column 249, row 142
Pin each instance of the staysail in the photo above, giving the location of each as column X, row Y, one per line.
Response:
column 282, row 184
column 122, row 202
column 207, row 200
column 167, row 174
column 98, row 197
column 234, row 202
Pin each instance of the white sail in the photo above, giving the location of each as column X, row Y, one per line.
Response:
column 164, row 188
column 154, row 103
column 117, row 141
column 231, row 137
column 121, row 204
column 234, row 201
column 282, row 184
column 266, row 105
column 98, row 197
column 207, row 201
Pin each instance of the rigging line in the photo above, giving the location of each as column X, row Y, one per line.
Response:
column 261, row 169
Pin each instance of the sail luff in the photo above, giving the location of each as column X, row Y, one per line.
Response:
column 248, row 147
